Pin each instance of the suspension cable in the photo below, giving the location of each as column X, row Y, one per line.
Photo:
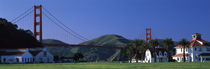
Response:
column 28, row 10
column 64, row 24
column 62, row 27
column 23, row 16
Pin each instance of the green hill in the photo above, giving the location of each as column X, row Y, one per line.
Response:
column 108, row 40
column 99, row 54
column 59, row 51
column 92, row 54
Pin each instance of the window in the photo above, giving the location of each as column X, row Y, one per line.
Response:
column 195, row 49
column 182, row 59
column 178, row 59
column 160, row 53
column 181, row 49
column 165, row 54
column 33, row 60
column 45, row 53
column 22, row 59
column 200, row 49
column 4, row 59
column 26, row 60
column 186, row 49
column 208, row 49
column 17, row 59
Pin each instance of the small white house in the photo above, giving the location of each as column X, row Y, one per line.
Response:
column 25, row 55
column 42, row 56
column 159, row 53
column 197, row 50
column 16, row 57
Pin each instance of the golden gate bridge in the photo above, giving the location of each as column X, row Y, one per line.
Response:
column 39, row 11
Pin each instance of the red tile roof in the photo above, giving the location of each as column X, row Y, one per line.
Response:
column 178, row 46
column 134, row 57
column 180, row 55
column 195, row 43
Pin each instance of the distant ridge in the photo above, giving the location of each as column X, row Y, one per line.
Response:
column 108, row 40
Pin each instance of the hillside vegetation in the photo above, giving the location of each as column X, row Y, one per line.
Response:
column 92, row 54
column 12, row 37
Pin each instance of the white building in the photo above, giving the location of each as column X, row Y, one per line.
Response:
column 42, row 56
column 25, row 55
column 159, row 53
column 150, row 55
column 197, row 51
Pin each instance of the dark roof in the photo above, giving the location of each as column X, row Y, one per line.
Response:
column 157, row 50
column 12, row 53
column 34, row 53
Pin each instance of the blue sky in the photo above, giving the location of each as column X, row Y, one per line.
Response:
column 174, row 19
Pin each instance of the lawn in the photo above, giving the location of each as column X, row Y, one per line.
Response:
column 205, row 65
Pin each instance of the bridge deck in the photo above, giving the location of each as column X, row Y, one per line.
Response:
column 83, row 46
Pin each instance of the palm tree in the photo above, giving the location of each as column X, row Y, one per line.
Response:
column 139, row 48
column 183, row 42
column 167, row 43
column 128, row 51
column 152, row 44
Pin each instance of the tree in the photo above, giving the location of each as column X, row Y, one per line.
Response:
column 78, row 56
column 139, row 48
column 135, row 47
column 128, row 51
column 152, row 45
column 184, row 42
column 167, row 44
column 11, row 37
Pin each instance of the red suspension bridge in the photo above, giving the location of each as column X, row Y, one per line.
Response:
column 39, row 11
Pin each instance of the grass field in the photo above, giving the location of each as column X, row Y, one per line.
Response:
column 205, row 65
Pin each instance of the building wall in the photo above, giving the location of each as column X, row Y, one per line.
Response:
column 24, row 58
column 27, row 57
column 193, row 52
column 44, row 57
column 148, row 56
column 161, row 57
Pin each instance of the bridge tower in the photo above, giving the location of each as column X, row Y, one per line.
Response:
column 148, row 34
column 38, row 22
